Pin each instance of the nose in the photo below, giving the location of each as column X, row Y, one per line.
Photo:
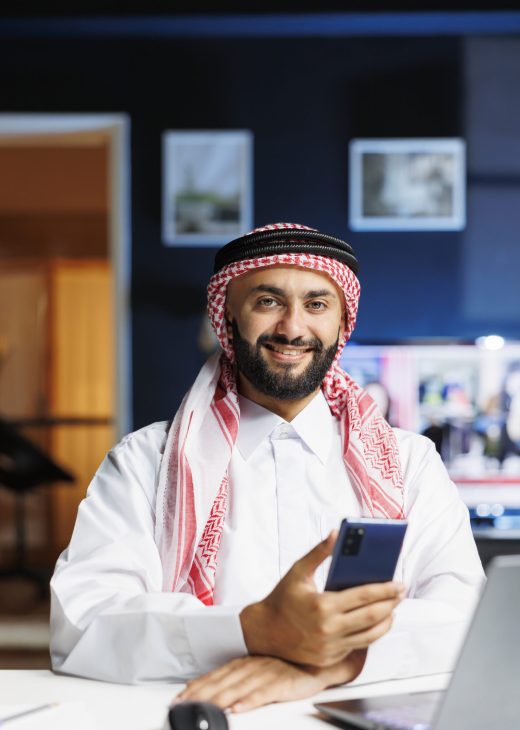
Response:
column 291, row 323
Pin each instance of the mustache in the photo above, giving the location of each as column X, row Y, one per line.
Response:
column 312, row 343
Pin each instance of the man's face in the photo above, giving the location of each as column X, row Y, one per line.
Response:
column 284, row 324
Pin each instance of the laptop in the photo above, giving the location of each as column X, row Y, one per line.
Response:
column 484, row 691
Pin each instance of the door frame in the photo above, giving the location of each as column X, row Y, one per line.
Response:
column 117, row 128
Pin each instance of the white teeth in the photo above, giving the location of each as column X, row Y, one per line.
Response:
column 291, row 353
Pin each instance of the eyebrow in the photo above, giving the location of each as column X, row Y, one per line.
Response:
column 312, row 294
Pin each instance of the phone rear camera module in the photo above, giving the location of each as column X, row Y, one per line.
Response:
column 352, row 542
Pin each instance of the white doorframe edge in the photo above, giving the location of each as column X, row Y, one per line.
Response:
column 117, row 127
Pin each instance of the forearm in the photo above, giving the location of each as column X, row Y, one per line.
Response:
column 256, row 629
column 258, row 680
column 141, row 638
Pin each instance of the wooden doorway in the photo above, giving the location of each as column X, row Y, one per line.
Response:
column 64, row 293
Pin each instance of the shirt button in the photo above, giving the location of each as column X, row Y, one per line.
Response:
column 281, row 432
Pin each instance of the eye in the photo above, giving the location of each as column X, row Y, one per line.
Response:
column 317, row 306
column 267, row 302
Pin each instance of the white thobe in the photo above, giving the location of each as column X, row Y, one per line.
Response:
column 289, row 487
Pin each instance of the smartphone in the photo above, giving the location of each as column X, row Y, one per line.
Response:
column 366, row 551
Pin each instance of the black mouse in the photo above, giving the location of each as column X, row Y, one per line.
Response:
column 197, row 716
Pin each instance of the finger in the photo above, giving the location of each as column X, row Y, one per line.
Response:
column 193, row 685
column 202, row 687
column 288, row 683
column 352, row 598
column 343, row 648
column 241, row 687
column 259, row 696
column 273, row 687
column 364, row 638
column 361, row 619
column 308, row 564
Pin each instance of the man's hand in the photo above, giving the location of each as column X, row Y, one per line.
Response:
column 252, row 681
column 297, row 623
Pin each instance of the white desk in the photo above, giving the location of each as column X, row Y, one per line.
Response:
column 123, row 707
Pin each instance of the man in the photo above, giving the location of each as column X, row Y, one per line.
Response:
column 201, row 549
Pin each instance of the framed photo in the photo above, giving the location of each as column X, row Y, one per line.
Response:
column 207, row 187
column 407, row 184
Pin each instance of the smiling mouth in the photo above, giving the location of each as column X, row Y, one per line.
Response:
column 281, row 350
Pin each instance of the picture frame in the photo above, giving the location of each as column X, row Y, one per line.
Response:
column 207, row 186
column 407, row 184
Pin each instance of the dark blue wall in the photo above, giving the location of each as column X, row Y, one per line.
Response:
column 303, row 99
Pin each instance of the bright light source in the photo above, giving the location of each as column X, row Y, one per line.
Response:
column 483, row 510
column 491, row 342
column 497, row 510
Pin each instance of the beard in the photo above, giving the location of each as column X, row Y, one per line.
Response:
column 282, row 384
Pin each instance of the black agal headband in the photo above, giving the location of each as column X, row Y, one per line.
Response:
column 285, row 240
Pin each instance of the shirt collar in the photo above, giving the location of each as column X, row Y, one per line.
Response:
column 314, row 426
column 256, row 423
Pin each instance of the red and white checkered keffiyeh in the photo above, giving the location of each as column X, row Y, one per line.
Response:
column 193, row 482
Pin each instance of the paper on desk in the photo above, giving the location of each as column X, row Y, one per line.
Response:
column 62, row 716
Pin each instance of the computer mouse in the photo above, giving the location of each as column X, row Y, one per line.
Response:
column 197, row 716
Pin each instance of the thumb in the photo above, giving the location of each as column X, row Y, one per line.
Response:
column 308, row 564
